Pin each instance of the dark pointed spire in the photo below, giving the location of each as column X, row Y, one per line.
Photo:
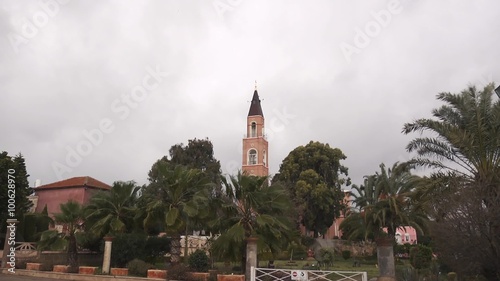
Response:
column 255, row 108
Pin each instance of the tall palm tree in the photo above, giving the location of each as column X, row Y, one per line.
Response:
column 251, row 208
column 385, row 206
column 113, row 211
column 464, row 150
column 176, row 195
column 71, row 217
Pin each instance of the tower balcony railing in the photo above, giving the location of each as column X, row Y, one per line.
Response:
column 247, row 136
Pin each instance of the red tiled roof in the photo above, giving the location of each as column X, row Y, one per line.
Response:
column 77, row 181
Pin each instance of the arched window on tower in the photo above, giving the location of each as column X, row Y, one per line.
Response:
column 253, row 131
column 252, row 157
column 264, row 158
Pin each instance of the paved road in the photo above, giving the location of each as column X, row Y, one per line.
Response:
column 14, row 277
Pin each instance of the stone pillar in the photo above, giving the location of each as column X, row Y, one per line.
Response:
column 251, row 257
column 107, row 254
column 10, row 236
column 385, row 257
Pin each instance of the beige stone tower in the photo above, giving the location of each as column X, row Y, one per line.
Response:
column 255, row 161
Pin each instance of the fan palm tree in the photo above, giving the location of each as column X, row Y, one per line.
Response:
column 251, row 209
column 176, row 195
column 113, row 211
column 71, row 217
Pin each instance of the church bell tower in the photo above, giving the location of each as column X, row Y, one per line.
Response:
column 255, row 145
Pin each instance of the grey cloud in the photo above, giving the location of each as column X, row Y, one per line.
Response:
column 65, row 81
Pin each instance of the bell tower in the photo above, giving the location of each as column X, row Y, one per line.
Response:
column 255, row 161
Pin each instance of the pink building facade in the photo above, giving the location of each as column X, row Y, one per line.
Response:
column 405, row 235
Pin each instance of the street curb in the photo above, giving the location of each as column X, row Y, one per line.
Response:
column 74, row 276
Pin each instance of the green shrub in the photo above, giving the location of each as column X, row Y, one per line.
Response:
column 138, row 267
column 346, row 254
column 199, row 261
column 326, row 256
column 156, row 248
column 297, row 252
column 127, row 247
column 307, row 241
column 32, row 225
column 407, row 274
column 420, row 257
column 88, row 240
column 237, row 268
column 177, row 272
column 313, row 266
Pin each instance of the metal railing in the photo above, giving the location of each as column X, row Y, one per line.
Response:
column 26, row 249
column 249, row 136
column 271, row 274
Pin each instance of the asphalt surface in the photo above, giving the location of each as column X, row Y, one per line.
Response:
column 15, row 277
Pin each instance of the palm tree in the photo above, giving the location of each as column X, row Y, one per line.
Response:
column 464, row 148
column 71, row 217
column 385, row 206
column 364, row 195
column 174, row 196
column 384, row 202
column 467, row 136
column 393, row 208
column 251, row 209
column 113, row 211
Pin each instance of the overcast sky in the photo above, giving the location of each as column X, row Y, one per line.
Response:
column 105, row 88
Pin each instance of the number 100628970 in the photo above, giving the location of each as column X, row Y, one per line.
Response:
column 11, row 193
